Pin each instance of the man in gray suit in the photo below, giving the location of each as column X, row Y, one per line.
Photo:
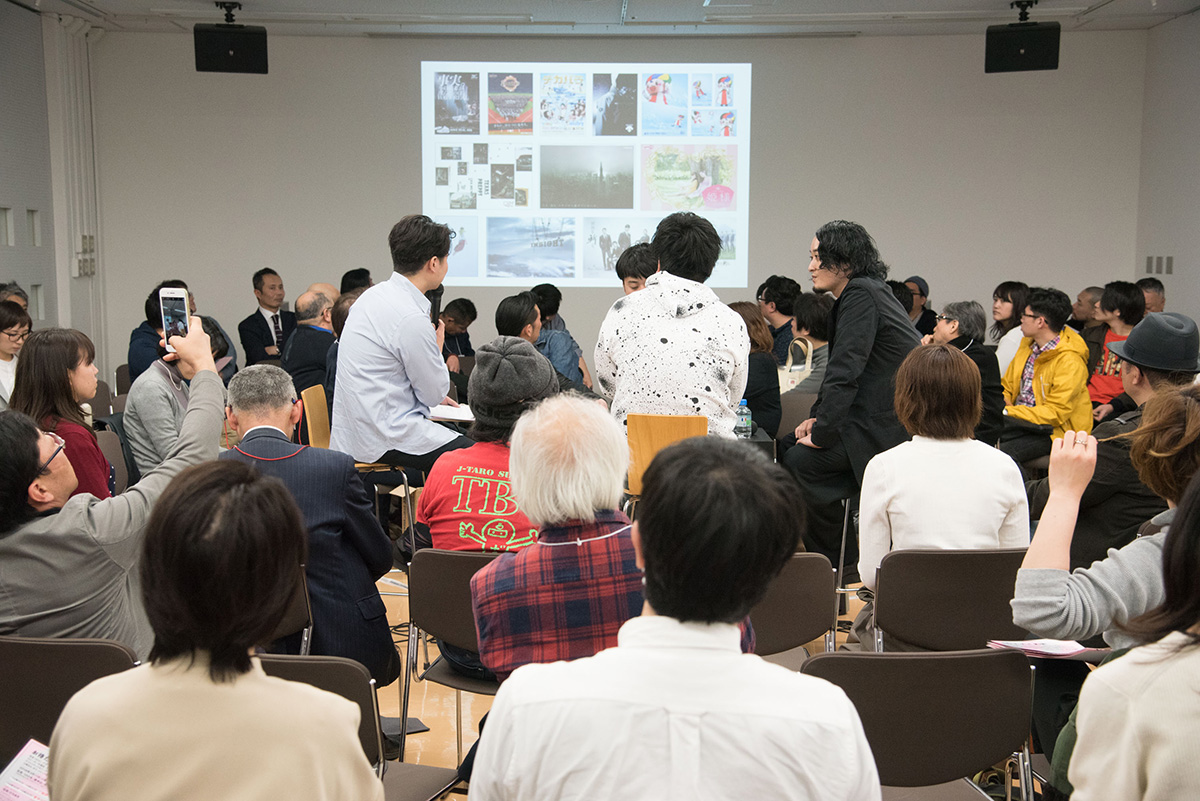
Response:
column 347, row 549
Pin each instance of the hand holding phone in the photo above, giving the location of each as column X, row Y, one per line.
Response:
column 173, row 303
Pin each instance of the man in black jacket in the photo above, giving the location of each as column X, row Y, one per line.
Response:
column 963, row 325
column 854, row 417
column 264, row 332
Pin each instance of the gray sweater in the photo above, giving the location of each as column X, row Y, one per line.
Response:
column 1090, row 601
column 73, row 572
column 154, row 413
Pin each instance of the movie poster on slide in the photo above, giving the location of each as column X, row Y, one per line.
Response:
column 456, row 103
column 699, row 178
column 510, row 103
column 563, row 103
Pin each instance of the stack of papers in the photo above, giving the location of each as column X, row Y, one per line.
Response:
column 1053, row 649
column 452, row 414
column 25, row 776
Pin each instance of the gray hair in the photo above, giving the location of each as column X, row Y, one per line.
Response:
column 261, row 388
column 568, row 459
column 971, row 320
column 13, row 290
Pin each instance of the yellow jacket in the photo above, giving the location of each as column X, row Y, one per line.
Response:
column 1060, row 379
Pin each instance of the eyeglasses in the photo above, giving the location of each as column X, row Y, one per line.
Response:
column 1030, row 316
column 946, row 318
column 16, row 337
column 57, row 441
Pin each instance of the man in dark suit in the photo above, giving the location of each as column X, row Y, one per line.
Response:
column 265, row 331
column 305, row 350
column 854, row 417
column 347, row 549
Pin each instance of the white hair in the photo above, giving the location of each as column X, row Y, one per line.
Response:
column 568, row 459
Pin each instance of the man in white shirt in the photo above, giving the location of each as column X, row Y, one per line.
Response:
column 674, row 347
column 390, row 372
column 676, row 710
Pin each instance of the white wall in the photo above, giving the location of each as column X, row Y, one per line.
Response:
column 1169, row 207
column 965, row 178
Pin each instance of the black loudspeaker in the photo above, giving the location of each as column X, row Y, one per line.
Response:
column 1022, row 46
column 230, row 48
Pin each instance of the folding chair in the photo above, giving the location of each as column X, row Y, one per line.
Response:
column 39, row 675
column 947, row 600
column 119, row 401
column 101, row 402
column 110, row 446
column 352, row 681
column 934, row 719
column 298, row 618
column 121, row 380
column 650, row 433
column 439, row 604
column 796, row 610
column 794, row 407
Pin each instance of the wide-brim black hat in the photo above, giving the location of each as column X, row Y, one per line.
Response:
column 1162, row 341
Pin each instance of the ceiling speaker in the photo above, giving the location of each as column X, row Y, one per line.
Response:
column 1022, row 46
column 230, row 48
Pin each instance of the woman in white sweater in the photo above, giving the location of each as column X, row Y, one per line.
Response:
column 943, row 489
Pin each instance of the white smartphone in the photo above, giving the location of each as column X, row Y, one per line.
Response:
column 174, row 304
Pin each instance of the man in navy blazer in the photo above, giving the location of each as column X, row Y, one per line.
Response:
column 261, row 339
column 347, row 548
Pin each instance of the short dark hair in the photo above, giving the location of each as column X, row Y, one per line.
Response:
column 341, row 309
column 220, row 562
column 1126, row 299
column 782, row 291
column 637, row 261
column 761, row 340
column 152, row 308
column 812, row 314
column 1016, row 293
column 687, row 245
column 514, row 313
column 42, row 386
column 261, row 275
column 1051, row 304
column 462, row 310
column 13, row 316
column 846, row 248
column 18, row 469
column 359, row 278
column 1152, row 284
column 549, row 297
column 216, row 340
column 415, row 240
column 938, row 393
column 717, row 522
column 1093, row 292
column 903, row 294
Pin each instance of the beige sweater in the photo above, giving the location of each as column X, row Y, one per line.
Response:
column 169, row 732
column 1138, row 721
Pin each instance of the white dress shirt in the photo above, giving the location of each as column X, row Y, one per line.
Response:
column 390, row 373
column 270, row 316
column 675, row 711
column 939, row 493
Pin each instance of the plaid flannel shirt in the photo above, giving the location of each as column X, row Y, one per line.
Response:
column 563, row 598
column 1025, row 397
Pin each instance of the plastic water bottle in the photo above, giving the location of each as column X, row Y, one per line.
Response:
column 742, row 428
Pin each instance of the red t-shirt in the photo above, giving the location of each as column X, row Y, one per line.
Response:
column 468, row 503
column 1105, row 383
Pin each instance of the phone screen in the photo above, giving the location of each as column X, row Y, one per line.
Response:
column 175, row 317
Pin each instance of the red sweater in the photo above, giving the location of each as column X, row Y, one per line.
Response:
column 91, row 468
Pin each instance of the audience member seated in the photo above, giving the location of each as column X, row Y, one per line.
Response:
column 264, row 332
column 762, row 378
column 66, row 559
column 458, row 316
column 157, row 403
column 1138, row 715
column 359, row 278
column 716, row 523
column 962, row 325
column 1161, row 353
column 1122, row 306
column 305, row 351
column 1153, row 291
column 636, row 265
column 812, row 322
column 853, row 417
column 324, row 288
column 923, row 317
column 943, row 490
column 777, row 304
column 674, row 348
column 1045, row 386
column 143, row 340
column 555, row 341
column 1008, row 304
column 518, row 316
column 337, row 318
column 1083, row 310
column 903, row 294
column 14, row 330
column 567, row 467
column 347, row 549
column 390, row 368
column 202, row 719
column 12, row 292
column 56, row 372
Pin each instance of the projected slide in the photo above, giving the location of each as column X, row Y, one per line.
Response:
column 548, row 172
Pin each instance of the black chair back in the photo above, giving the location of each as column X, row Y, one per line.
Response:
column 439, row 594
column 798, row 607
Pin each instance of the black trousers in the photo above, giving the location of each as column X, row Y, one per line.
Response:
column 826, row 479
column 424, row 461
